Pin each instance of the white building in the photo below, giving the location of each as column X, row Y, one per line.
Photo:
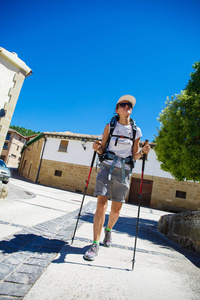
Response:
column 59, row 160
column 12, row 74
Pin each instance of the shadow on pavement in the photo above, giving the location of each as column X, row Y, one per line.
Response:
column 68, row 249
column 148, row 231
column 16, row 175
column 30, row 243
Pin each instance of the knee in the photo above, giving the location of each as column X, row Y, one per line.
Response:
column 115, row 212
column 101, row 208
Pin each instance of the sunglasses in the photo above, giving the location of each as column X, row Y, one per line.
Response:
column 123, row 104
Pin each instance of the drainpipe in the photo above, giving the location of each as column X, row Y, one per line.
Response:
column 45, row 140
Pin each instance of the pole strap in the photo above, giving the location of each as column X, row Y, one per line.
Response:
column 112, row 167
column 115, row 159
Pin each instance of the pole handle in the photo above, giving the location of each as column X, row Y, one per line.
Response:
column 144, row 155
column 93, row 158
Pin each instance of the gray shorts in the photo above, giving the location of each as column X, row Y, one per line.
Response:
column 114, row 189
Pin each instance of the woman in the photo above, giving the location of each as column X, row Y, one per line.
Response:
column 113, row 178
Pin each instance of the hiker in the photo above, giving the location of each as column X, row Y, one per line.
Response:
column 118, row 151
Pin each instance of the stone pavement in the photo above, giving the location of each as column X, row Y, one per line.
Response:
column 26, row 254
column 37, row 260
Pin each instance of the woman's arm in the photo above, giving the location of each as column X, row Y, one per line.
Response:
column 138, row 154
column 99, row 146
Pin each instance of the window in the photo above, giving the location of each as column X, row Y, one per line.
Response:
column 180, row 194
column 2, row 164
column 5, row 146
column 58, row 173
column 8, row 136
column 17, row 148
column 63, row 146
column 13, row 156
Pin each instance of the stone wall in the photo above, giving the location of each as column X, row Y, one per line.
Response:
column 182, row 228
column 69, row 176
column 163, row 195
column 30, row 160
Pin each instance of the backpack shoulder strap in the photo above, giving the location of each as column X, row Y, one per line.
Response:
column 113, row 123
column 134, row 128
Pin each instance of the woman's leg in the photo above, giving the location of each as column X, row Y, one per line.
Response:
column 113, row 217
column 99, row 217
column 114, row 213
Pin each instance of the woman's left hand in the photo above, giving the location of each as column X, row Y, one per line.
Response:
column 146, row 148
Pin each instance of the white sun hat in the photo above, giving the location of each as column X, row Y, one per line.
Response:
column 129, row 98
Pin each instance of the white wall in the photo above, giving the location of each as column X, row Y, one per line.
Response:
column 12, row 73
column 75, row 153
column 7, row 72
column 152, row 166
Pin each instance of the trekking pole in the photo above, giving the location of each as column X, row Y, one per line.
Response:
column 139, row 203
column 87, row 182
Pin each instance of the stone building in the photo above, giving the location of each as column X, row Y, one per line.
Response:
column 60, row 160
column 12, row 147
column 13, row 71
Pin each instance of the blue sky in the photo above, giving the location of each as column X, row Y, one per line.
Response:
column 86, row 54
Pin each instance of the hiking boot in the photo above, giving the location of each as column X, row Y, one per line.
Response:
column 92, row 252
column 107, row 239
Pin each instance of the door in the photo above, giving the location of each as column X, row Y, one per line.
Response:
column 135, row 190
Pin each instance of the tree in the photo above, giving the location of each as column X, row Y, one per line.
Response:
column 24, row 131
column 193, row 85
column 178, row 139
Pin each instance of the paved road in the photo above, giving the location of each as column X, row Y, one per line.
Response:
column 37, row 260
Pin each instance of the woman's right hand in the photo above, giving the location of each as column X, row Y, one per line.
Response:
column 97, row 146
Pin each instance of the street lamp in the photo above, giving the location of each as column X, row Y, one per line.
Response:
column 83, row 143
column 2, row 113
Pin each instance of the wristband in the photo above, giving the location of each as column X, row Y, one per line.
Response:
column 141, row 153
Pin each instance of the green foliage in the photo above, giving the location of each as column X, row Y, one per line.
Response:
column 193, row 85
column 178, row 139
column 24, row 131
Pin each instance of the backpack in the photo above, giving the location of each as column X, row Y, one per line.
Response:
column 110, row 155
